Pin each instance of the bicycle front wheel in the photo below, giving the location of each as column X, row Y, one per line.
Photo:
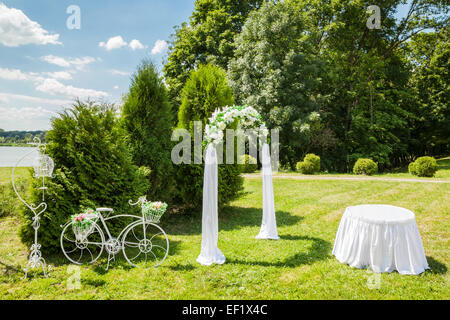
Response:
column 145, row 245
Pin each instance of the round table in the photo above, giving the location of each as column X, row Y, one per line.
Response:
column 381, row 237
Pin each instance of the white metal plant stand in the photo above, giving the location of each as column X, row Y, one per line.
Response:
column 143, row 242
column 43, row 167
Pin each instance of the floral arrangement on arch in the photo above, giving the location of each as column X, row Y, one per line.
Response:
column 247, row 116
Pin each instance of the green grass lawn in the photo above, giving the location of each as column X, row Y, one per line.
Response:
column 298, row 266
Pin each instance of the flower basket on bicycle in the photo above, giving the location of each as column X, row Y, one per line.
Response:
column 83, row 223
column 153, row 211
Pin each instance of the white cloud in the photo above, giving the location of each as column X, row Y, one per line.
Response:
column 56, row 60
column 29, row 99
column 25, row 113
column 119, row 73
column 63, row 75
column 17, row 29
column 159, row 47
column 25, row 118
column 116, row 87
column 136, row 44
column 78, row 63
column 53, row 87
column 113, row 43
column 16, row 74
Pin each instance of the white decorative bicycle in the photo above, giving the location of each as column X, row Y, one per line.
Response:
column 143, row 242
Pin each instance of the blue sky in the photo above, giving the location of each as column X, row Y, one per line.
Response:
column 44, row 65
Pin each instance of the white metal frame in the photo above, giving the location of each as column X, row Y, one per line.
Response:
column 114, row 245
column 35, row 259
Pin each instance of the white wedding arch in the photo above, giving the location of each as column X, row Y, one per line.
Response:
column 248, row 118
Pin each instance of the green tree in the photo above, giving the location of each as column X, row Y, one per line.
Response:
column 204, row 92
column 279, row 75
column 148, row 120
column 93, row 168
column 328, row 61
column 429, row 54
column 207, row 38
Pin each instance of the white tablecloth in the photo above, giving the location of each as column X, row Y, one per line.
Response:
column 381, row 237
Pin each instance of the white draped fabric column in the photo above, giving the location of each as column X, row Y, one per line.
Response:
column 269, row 223
column 210, row 253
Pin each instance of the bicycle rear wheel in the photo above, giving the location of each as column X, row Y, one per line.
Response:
column 145, row 245
column 82, row 251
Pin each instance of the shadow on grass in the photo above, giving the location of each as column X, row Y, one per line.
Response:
column 122, row 263
column 94, row 282
column 320, row 250
column 181, row 267
column 443, row 164
column 436, row 267
column 11, row 270
column 100, row 265
column 230, row 218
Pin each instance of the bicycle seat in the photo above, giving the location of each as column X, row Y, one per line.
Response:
column 104, row 209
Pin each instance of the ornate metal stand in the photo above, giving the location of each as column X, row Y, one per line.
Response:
column 43, row 167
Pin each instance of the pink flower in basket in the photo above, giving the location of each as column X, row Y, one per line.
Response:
column 80, row 217
column 158, row 205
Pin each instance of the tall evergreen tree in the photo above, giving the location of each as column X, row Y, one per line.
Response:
column 147, row 118
column 204, row 92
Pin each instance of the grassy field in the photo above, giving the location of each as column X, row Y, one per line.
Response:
column 299, row 266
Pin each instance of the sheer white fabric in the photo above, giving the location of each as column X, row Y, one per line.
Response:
column 210, row 253
column 269, row 224
column 381, row 237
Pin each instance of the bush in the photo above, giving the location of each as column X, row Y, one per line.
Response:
column 309, row 165
column 250, row 165
column 412, row 168
column 423, row 167
column 93, row 168
column 147, row 119
column 204, row 92
column 365, row 166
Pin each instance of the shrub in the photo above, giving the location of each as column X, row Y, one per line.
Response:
column 423, row 167
column 204, row 92
column 412, row 168
column 250, row 165
column 148, row 121
column 309, row 165
column 365, row 166
column 93, row 168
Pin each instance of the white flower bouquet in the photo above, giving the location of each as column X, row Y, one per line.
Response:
column 222, row 118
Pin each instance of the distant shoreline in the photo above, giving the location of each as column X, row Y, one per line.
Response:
column 16, row 145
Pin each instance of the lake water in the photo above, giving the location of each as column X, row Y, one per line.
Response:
column 10, row 155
